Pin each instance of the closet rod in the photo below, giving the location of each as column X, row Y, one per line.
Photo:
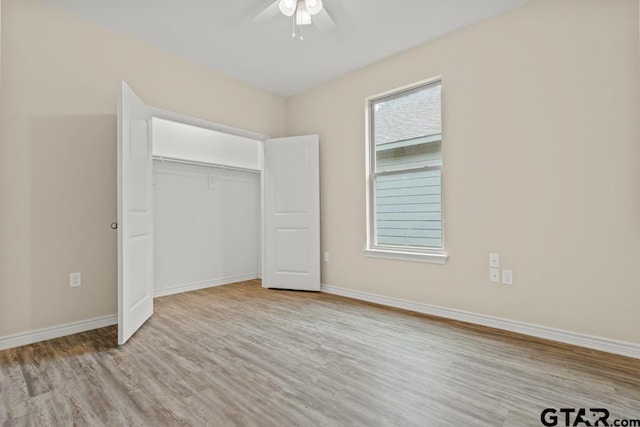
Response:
column 214, row 165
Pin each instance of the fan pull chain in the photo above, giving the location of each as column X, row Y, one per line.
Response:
column 293, row 35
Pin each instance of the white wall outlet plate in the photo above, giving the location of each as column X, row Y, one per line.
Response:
column 325, row 257
column 494, row 260
column 494, row 275
column 507, row 277
column 75, row 280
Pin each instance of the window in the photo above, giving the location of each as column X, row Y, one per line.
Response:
column 405, row 174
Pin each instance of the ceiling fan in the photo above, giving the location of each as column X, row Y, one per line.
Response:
column 303, row 12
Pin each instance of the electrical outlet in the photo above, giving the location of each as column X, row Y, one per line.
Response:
column 75, row 280
column 494, row 275
column 326, row 256
column 507, row 277
column 494, row 260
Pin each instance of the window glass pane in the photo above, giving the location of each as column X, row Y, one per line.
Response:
column 407, row 129
column 408, row 116
column 409, row 209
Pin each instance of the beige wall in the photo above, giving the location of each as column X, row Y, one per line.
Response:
column 58, row 153
column 542, row 164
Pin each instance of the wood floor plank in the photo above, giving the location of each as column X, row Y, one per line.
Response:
column 242, row 355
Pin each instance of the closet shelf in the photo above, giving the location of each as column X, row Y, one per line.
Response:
column 207, row 164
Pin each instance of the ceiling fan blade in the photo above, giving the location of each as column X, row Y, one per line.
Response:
column 323, row 21
column 268, row 13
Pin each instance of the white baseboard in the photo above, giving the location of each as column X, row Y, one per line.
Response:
column 203, row 285
column 37, row 335
column 582, row 340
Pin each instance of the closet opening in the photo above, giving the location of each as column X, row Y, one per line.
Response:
column 207, row 205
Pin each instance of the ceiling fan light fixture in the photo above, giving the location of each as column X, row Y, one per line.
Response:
column 313, row 6
column 287, row 7
column 303, row 17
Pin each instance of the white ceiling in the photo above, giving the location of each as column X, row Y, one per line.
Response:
column 219, row 34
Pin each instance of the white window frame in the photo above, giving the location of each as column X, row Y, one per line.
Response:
column 405, row 253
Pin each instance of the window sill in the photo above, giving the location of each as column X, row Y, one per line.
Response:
column 431, row 257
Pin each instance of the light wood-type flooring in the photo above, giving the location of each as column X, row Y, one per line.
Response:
column 242, row 355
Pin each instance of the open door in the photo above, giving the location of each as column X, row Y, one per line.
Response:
column 135, row 218
column 292, row 213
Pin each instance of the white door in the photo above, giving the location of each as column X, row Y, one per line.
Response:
column 135, row 218
column 292, row 213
